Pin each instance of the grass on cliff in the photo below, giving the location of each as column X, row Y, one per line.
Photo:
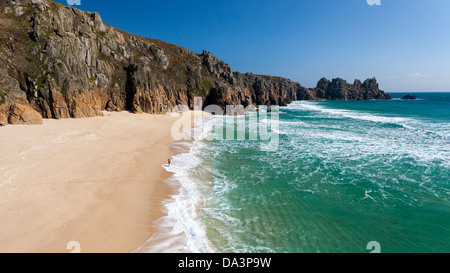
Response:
column 197, row 92
column 207, row 85
column 40, row 82
column 92, row 78
column 49, row 33
column 250, row 87
column 203, row 89
column 3, row 94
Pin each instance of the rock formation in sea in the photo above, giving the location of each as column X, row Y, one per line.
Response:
column 409, row 97
column 339, row 89
column 60, row 62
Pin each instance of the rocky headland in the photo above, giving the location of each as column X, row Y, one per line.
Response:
column 60, row 62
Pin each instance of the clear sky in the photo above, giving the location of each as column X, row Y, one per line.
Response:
column 404, row 43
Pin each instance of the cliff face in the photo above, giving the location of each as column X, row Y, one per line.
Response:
column 60, row 62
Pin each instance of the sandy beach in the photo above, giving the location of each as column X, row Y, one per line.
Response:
column 98, row 181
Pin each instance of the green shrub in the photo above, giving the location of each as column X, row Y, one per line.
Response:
column 207, row 85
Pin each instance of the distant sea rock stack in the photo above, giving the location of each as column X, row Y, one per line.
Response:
column 339, row 89
column 409, row 97
column 60, row 62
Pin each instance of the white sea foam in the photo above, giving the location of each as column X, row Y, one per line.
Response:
column 181, row 230
column 349, row 113
column 339, row 146
column 423, row 142
column 185, row 207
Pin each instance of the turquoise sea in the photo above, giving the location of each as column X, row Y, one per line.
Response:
column 345, row 173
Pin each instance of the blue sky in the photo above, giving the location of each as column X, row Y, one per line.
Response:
column 404, row 43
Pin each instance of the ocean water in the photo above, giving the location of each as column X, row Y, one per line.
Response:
column 345, row 173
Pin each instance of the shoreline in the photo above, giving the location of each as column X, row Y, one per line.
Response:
column 165, row 238
column 174, row 229
column 98, row 181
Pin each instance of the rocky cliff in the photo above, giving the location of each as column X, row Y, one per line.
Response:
column 60, row 62
column 339, row 89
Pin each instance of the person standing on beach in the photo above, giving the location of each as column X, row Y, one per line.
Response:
column 168, row 160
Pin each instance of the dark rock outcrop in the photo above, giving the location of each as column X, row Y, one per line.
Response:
column 339, row 89
column 409, row 97
column 60, row 62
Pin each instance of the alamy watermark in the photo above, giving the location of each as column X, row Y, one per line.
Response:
column 237, row 123
column 369, row 2
column 374, row 2
column 74, row 2
column 374, row 246
column 74, row 246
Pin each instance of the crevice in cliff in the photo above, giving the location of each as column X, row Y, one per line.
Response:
column 212, row 98
column 130, row 88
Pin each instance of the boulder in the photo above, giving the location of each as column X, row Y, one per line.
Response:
column 24, row 114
